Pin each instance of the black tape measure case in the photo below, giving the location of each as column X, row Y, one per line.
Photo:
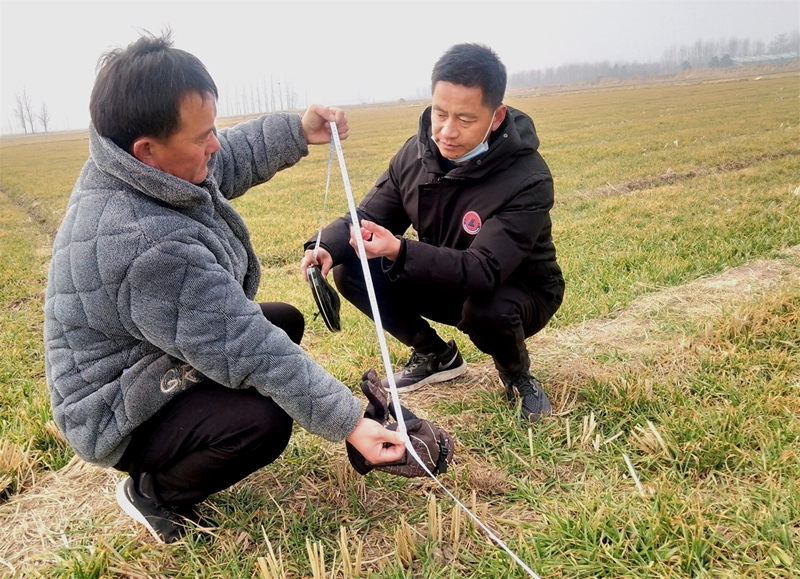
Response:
column 326, row 298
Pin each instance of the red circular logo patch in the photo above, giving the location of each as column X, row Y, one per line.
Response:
column 471, row 222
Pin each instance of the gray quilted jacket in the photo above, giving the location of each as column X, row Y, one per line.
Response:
column 151, row 289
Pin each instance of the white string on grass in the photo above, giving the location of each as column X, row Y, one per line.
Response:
column 401, row 425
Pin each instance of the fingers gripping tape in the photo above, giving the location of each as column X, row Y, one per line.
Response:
column 432, row 444
column 326, row 298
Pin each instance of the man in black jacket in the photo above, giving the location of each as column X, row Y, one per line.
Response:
column 473, row 186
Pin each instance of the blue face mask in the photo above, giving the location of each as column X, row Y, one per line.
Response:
column 482, row 147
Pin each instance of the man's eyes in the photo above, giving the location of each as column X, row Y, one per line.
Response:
column 203, row 140
column 462, row 120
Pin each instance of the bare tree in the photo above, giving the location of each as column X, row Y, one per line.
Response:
column 670, row 58
column 29, row 114
column 44, row 116
column 19, row 112
column 291, row 95
column 267, row 105
column 227, row 101
column 779, row 44
column 733, row 46
column 23, row 110
column 745, row 47
column 260, row 99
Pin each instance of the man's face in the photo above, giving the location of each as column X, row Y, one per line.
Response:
column 459, row 119
column 185, row 154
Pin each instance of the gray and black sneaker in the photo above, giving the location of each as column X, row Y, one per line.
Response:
column 534, row 401
column 423, row 369
column 165, row 525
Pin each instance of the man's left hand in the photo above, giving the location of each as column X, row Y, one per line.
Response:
column 316, row 124
column 378, row 241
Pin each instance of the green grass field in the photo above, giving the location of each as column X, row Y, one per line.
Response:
column 673, row 367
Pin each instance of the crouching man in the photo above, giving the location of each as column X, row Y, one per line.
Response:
column 475, row 189
column 158, row 361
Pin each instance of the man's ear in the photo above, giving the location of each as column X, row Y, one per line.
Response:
column 499, row 116
column 143, row 150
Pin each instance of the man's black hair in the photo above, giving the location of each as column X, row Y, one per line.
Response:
column 139, row 89
column 473, row 65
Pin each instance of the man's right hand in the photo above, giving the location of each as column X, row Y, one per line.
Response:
column 324, row 261
column 376, row 443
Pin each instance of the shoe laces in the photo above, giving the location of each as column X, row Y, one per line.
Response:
column 416, row 360
column 169, row 514
column 526, row 385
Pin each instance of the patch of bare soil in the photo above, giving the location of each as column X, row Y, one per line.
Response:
column 674, row 176
column 577, row 354
column 77, row 503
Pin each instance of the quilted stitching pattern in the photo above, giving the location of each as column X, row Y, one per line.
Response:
column 150, row 289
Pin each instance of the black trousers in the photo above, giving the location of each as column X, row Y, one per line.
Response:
column 497, row 323
column 210, row 437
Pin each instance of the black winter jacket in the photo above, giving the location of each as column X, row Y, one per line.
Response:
column 478, row 225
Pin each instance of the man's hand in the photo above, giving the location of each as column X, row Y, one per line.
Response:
column 324, row 261
column 316, row 124
column 378, row 241
column 377, row 444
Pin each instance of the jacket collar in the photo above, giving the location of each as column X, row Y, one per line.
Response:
column 120, row 165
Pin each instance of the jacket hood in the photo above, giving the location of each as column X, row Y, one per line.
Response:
column 515, row 136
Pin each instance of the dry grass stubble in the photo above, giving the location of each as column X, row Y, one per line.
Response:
column 71, row 503
column 579, row 353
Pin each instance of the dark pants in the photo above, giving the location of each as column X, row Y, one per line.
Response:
column 210, row 437
column 497, row 323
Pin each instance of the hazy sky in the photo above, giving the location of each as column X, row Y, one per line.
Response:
column 348, row 52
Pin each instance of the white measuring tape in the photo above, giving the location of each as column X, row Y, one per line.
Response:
column 401, row 425
column 325, row 201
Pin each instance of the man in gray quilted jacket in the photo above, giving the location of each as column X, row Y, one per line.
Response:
column 158, row 361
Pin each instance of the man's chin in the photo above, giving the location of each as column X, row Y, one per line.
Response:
column 449, row 155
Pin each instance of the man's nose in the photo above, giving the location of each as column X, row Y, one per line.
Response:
column 214, row 143
column 449, row 128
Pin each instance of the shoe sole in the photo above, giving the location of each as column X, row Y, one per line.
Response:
column 442, row 376
column 534, row 417
column 133, row 512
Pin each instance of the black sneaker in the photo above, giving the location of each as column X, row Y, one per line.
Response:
column 534, row 401
column 165, row 525
column 422, row 369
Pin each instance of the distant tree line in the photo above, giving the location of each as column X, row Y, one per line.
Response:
column 711, row 54
column 260, row 96
column 701, row 54
column 266, row 95
column 27, row 116
column 270, row 94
